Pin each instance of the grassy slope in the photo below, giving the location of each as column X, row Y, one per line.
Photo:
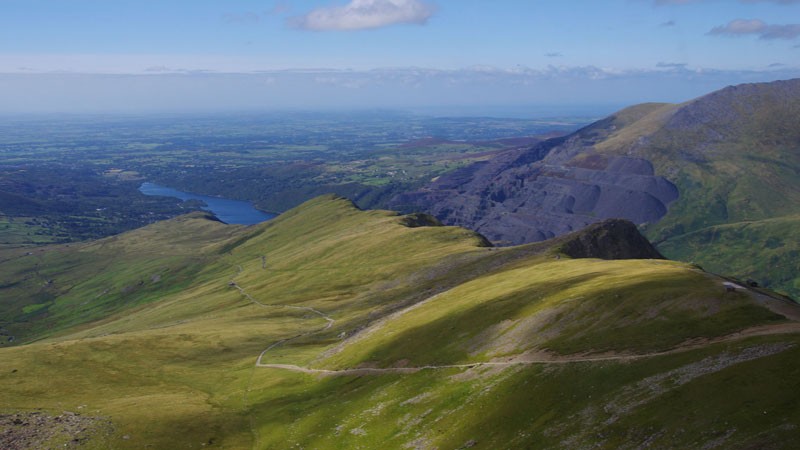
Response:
column 47, row 290
column 581, row 405
column 736, row 163
column 566, row 306
column 765, row 250
column 194, row 348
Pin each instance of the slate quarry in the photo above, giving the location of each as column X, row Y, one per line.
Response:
column 534, row 194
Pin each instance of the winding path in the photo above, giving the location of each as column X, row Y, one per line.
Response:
column 547, row 358
column 523, row 359
column 246, row 295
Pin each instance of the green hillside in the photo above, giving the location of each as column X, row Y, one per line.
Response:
column 767, row 250
column 48, row 289
column 735, row 157
column 331, row 327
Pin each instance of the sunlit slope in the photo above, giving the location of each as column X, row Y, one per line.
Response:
column 525, row 347
column 196, row 346
column 566, row 306
column 336, row 256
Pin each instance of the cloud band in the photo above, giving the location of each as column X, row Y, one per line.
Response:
column 364, row 14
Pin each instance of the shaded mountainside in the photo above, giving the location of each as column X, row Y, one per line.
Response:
column 610, row 239
column 332, row 327
column 730, row 157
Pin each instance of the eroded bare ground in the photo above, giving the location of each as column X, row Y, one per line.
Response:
column 39, row 430
column 778, row 305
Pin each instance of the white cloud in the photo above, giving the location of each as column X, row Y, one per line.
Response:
column 740, row 26
column 757, row 27
column 791, row 31
column 365, row 14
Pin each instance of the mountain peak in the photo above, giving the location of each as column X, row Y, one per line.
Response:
column 609, row 239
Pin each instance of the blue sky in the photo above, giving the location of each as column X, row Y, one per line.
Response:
column 98, row 55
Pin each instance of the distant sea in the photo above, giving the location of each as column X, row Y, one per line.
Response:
column 229, row 211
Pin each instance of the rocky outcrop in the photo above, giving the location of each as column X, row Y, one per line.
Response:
column 417, row 220
column 610, row 239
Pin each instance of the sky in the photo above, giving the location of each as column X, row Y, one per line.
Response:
column 446, row 55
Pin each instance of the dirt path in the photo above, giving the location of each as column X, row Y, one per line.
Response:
column 245, row 294
column 329, row 321
column 538, row 357
column 549, row 358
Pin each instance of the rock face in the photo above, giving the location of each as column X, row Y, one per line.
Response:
column 545, row 191
column 610, row 239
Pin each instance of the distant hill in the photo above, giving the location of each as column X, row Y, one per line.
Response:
column 715, row 181
column 331, row 327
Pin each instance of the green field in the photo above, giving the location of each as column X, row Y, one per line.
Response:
column 25, row 231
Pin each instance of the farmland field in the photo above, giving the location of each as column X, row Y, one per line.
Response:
column 71, row 178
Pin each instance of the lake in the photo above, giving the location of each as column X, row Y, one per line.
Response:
column 229, row 211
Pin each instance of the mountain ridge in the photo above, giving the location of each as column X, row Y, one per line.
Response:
column 731, row 156
column 333, row 327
